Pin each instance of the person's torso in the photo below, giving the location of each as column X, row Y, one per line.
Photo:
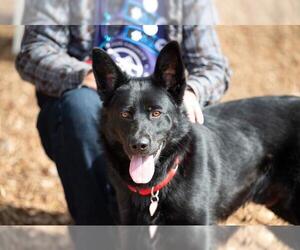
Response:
column 133, row 47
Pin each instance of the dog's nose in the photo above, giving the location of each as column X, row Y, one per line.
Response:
column 140, row 145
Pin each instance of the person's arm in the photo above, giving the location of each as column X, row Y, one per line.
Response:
column 45, row 62
column 208, row 69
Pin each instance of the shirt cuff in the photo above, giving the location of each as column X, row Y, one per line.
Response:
column 76, row 79
column 86, row 69
column 199, row 88
column 79, row 77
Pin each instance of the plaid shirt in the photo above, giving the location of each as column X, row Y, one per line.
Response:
column 52, row 56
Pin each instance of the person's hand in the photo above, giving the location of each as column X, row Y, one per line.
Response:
column 90, row 81
column 193, row 107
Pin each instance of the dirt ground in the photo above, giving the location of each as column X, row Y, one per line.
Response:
column 265, row 61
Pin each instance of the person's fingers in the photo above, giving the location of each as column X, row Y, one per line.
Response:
column 193, row 108
column 198, row 114
column 191, row 113
column 192, row 117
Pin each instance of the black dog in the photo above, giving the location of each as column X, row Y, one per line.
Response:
column 168, row 171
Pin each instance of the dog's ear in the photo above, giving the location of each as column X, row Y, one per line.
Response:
column 169, row 71
column 107, row 73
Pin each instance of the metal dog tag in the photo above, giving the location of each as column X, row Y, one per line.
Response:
column 154, row 202
column 152, row 208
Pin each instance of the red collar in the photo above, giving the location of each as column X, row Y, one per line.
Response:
column 159, row 186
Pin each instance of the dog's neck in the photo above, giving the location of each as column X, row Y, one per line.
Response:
column 155, row 189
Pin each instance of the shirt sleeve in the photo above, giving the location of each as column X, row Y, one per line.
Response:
column 44, row 61
column 208, row 69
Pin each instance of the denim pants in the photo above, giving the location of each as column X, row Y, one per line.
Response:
column 68, row 127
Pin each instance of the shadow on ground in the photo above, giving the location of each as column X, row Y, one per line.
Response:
column 10, row 215
column 5, row 53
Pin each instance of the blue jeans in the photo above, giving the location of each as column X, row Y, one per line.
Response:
column 68, row 127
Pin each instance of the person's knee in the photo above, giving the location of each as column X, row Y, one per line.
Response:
column 80, row 111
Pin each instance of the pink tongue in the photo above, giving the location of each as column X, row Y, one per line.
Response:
column 142, row 169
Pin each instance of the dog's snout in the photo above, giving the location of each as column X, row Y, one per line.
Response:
column 140, row 146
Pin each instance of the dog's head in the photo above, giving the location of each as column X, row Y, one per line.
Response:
column 141, row 116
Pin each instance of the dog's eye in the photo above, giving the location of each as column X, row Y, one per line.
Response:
column 126, row 114
column 155, row 114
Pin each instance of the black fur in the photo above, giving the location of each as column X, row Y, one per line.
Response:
column 247, row 150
